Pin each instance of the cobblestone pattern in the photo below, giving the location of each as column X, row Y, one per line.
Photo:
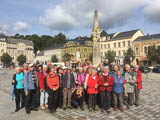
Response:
column 149, row 108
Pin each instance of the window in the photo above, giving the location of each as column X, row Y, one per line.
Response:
column 119, row 44
column 101, row 46
column 119, row 53
column 108, row 45
column 145, row 49
column 124, row 43
column 129, row 43
column 105, row 46
column 136, row 50
column 114, row 45
column 124, row 52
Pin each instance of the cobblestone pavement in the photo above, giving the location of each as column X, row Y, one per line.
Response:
column 149, row 108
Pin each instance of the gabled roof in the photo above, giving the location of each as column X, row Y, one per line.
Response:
column 148, row 37
column 40, row 53
column 57, row 46
column 126, row 34
column 14, row 41
column 104, row 33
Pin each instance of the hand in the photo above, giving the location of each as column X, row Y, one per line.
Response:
column 105, row 84
column 26, row 93
column 13, row 81
column 96, row 86
column 22, row 82
column 127, row 81
column 65, row 89
column 72, row 88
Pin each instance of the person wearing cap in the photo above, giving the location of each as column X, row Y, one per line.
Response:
column 105, row 87
column 19, row 88
column 53, row 84
column 30, row 85
column 75, row 74
column 68, row 86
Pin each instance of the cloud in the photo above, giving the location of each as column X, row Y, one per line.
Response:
column 70, row 15
column 21, row 27
column 4, row 28
column 152, row 10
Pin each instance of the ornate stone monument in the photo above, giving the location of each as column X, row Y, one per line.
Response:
column 96, row 40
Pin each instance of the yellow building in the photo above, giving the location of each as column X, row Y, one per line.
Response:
column 118, row 42
column 79, row 45
column 140, row 46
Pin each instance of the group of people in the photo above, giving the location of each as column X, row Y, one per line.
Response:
column 51, row 87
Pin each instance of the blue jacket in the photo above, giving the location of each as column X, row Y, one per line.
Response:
column 28, row 81
column 118, row 87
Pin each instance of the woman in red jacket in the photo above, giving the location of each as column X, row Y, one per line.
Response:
column 53, row 84
column 138, row 85
column 92, row 84
column 105, row 87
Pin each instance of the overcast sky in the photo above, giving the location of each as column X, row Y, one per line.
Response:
column 75, row 17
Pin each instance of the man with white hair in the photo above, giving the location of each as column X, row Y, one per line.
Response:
column 138, row 84
column 130, row 81
column 105, row 87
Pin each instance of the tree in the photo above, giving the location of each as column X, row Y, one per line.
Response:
column 91, row 57
column 153, row 53
column 129, row 56
column 110, row 55
column 21, row 59
column 67, row 57
column 54, row 58
column 6, row 59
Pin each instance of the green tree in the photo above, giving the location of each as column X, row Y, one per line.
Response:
column 21, row 59
column 54, row 58
column 129, row 56
column 6, row 59
column 110, row 55
column 67, row 57
column 91, row 57
column 153, row 53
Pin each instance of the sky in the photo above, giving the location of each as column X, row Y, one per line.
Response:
column 75, row 17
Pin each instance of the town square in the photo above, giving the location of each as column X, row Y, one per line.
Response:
column 80, row 60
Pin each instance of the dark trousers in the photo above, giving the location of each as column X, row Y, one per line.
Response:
column 60, row 97
column 53, row 96
column 105, row 100
column 130, row 98
column 137, row 92
column 118, row 97
column 19, row 93
column 77, row 102
column 30, row 100
column 92, row 101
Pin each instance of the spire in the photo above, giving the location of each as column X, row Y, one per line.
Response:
column 96, row 25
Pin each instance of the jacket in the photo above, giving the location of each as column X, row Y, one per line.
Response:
column 28, row 81
column 139, row 79
column 91, row 83
column 52, row 80
column 41, row 77
column 132, row 79
column 110, row 81
column 81, row 78
column 65, row 80
column 118, row 84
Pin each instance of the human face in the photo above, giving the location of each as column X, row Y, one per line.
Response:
column 18, row 71
column 69, row 70
column 31, row 68
column 80, row 70
column 127, row 68
column 60, row 70
column 39, row 68
column 52, row 69
column 115, row 68
column 73, row 69
column 90, row 72
column 25, row 67
column 45, row 69
column 93, row 73
column 106, row 70
column 136, row 68
column 118, row 73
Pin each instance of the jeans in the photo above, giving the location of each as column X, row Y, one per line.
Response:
column 43, row 97
column 19, row 93
column 77, row 102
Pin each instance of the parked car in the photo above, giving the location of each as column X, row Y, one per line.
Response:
column 144, row 69
column 156, row 69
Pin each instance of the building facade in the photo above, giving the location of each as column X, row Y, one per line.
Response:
column 140, row 46
column 81, row 45
column 16, row 47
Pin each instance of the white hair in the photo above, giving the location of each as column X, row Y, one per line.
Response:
column 106, row 68
column 17, row 68
column 127, row 65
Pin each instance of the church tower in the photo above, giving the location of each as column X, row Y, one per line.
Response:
column 96, row 40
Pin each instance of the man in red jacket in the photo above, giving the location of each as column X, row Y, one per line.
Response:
column 105, row 87
column 92, row 90
column 138, row 84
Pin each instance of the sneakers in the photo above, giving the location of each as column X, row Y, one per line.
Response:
column 28, row 112
column 64, row 108
column 34, row 109
column 16, row 110
column 115, row 108
column 46, row 106
column 82, row 108
column 121, row 109
column 42, row 107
